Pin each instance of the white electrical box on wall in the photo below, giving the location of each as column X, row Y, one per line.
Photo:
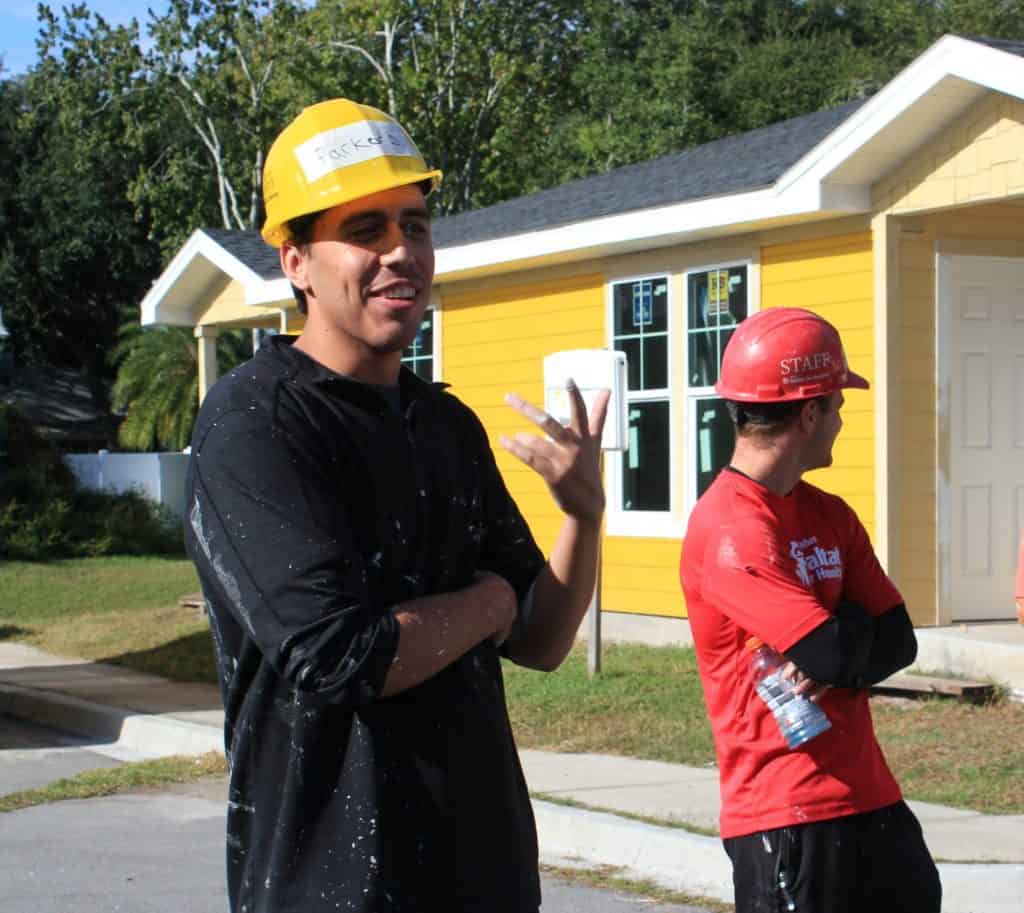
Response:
column 592, row 370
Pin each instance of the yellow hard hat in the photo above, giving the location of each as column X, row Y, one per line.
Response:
column 334, row 152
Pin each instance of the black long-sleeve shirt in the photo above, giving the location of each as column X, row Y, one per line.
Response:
column 313, row 508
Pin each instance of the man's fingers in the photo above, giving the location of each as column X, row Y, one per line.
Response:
column 527, row 452
column 818, row 692
column 550, row 426
column 577, row 408
column 581, row 423
column 600, row 413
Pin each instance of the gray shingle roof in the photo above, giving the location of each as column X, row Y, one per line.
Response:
column 249, row 248
column 747, row 161
column 1001, row 44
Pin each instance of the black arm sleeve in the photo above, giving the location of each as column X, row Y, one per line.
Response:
column 854, row 648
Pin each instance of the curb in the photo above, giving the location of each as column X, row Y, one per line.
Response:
column 146, row 734
column 670, row 857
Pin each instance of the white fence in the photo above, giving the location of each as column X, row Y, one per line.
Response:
column 158, row 476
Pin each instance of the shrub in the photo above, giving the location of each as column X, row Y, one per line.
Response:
column 44, row 514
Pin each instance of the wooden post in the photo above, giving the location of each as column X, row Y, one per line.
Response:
column 206, row 341
column 594, row 612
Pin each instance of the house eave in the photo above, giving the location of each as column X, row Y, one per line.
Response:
column 173, row 297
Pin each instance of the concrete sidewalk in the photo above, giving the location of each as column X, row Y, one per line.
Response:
column 982, row 856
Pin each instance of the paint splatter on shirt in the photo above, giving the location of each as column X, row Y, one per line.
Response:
column 314, row 507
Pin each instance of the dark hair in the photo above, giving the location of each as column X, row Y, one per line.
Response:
column 768, row 419
column 300, row 230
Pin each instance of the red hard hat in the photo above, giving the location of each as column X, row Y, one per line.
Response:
column 784, row 354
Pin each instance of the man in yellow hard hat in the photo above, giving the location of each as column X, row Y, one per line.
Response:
column 365, row 565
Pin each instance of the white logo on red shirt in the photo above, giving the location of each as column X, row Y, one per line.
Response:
column 813, row 561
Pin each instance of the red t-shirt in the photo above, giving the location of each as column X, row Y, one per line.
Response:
column 758, row 564
column 1018, row 591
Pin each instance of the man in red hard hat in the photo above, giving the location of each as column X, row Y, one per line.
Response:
column 821, row 828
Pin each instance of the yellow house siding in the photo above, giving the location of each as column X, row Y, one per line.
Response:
column 292, row 321
column 494, row 342
column 833, row 276
column 976, row 160
column 227, row 308
column 641, row 576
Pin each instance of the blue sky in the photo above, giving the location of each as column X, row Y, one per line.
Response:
column 19, row 25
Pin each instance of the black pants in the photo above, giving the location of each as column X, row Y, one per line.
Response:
column 875, row 862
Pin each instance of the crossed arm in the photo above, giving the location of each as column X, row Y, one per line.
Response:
column 315, row 623
column 436, row 630
column 855, row 649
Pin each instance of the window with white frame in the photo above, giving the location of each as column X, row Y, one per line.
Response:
column 716, row 301
column 640, row 328
column 419, row 354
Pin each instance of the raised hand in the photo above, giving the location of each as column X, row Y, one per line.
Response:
column 569, row 459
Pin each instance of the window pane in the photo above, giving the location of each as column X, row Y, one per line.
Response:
column 655, row 373
column 716, row 302
column 716, row 298
column 703, row 359
column 640, row 315
column 632, row 349
column 659, row 307
column 424, row 367
column 640, row 306
column 419, row 354
column 645, row 466
column 697, row 301
column 737, row 297
column 714, row 438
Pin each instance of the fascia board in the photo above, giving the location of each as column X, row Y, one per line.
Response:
column 150, row 306
column 624, row 233
column 629, row 231
column 270, row 292
column 950, row 56
column 225, row 261
column 158, row 307
column 1003, row 73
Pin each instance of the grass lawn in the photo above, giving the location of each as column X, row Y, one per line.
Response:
column 647, row 703
column 122, row 610
column 106, row 781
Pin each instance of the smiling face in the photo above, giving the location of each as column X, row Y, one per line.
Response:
column 367, row 274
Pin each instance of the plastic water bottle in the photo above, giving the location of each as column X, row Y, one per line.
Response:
column 799, row 719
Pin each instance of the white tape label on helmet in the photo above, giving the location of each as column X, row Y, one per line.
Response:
column 341, row 147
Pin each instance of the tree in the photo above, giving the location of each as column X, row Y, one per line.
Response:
column 74, row 258
column 475, row 81
column 217, row 71
column 157, row 383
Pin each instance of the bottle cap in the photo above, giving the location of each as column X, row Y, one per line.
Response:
column 753, row 643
